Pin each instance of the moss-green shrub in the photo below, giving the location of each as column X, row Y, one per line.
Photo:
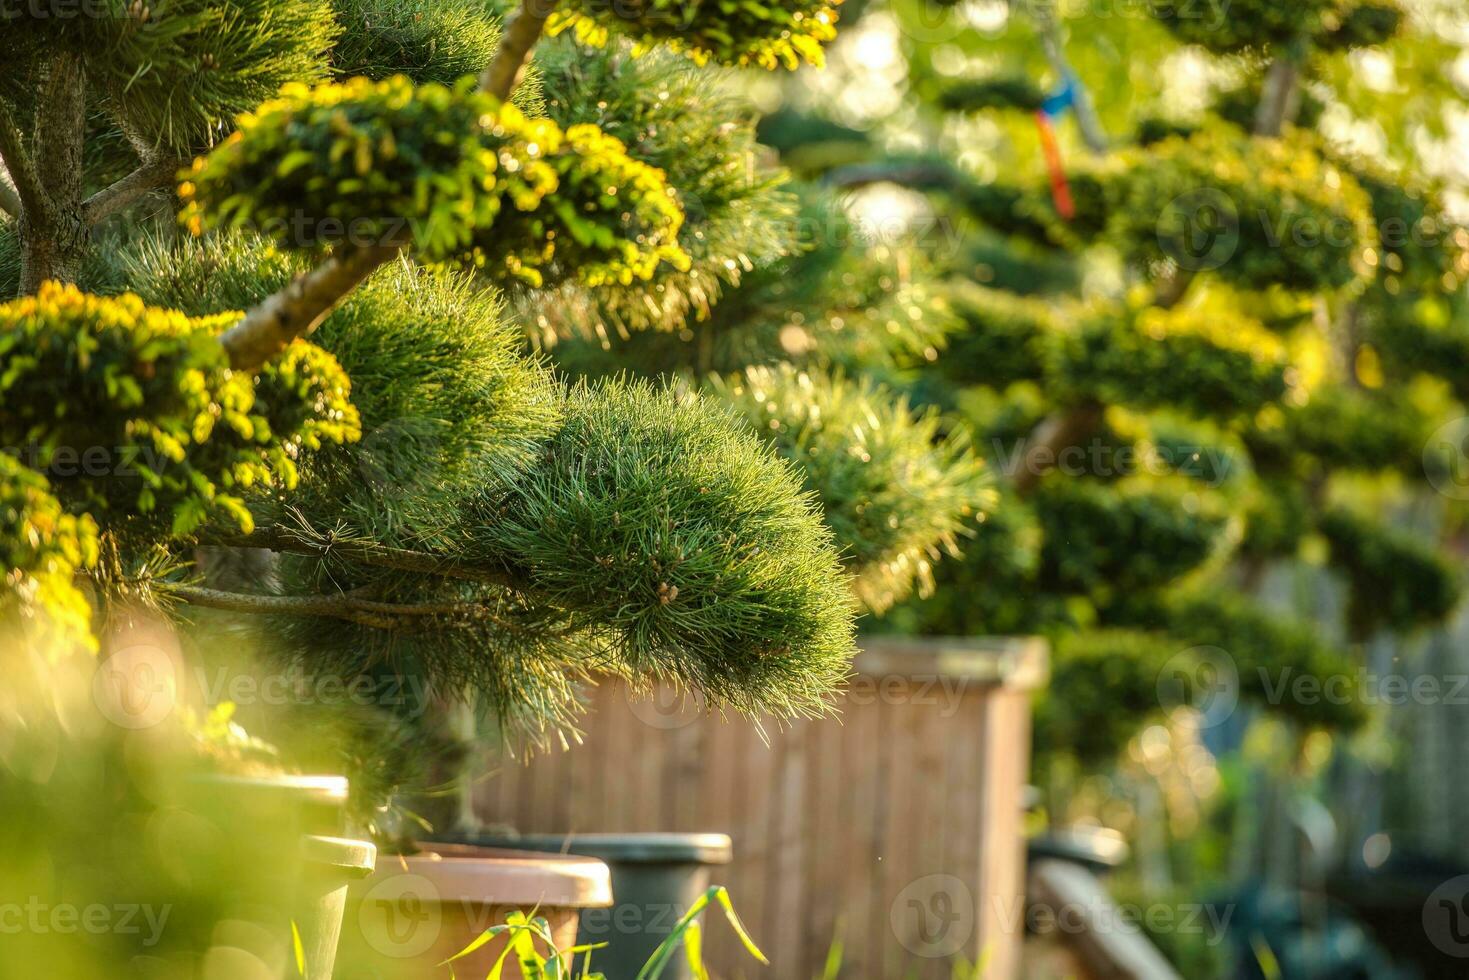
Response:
column 1362, row 24
column 1341, row 428
column 1267, row 647
column 1106, row 540
column 1001, row 339
column 1200, row 361
column 1233, row 25
column 999, row 92
column 1256, row 212
column 1103, row 690
column 1398, row 580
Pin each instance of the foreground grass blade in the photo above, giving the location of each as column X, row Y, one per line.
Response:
column 658, row 962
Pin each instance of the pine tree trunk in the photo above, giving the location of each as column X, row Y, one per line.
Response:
column 48, row 253
column 54, row 237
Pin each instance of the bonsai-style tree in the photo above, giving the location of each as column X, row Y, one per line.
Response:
column 1218, row 351
column 265, row 372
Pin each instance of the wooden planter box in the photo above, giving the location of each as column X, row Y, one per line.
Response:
column 895, row 826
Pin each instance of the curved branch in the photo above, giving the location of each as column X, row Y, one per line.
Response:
column 9, row 200
column 300, row 307
column 345, row 606
column 316, row 544
column 1054, row 434
column 521, row 34
column 29, row 193
column 154, row 173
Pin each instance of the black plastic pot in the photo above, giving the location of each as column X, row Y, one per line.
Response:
column 655, row 879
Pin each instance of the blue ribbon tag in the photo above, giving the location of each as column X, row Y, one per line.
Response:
column 1062, row 99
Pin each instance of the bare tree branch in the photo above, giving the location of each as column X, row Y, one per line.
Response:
column 300, row 307
column 1043, row 449
column 29, row 193
column 521, row 34
column 345, row 606
column 9, row 200
column 319, row 544
column 156, row 171
column 1280, row 96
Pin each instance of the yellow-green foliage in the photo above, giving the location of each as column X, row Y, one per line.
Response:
column 149, row 416
column 749, row 32
column 453, row 171
column 43, row 547
column 607, row 219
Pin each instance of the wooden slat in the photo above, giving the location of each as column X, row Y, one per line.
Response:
column 832, row 819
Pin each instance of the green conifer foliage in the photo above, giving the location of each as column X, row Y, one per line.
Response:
column 658, row 523
column 868, row 457
column 1198, row 361
column 691, row 123
column 449, row 401
column 177, row 73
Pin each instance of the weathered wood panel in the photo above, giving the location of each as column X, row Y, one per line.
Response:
column 894, row 827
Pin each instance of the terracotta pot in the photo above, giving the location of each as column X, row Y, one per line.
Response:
column 415, row 912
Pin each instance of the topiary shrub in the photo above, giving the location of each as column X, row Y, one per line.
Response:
column 732, row 34
column 153, row 420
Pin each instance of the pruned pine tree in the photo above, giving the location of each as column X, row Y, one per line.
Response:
column 1227, row 355
column 276, row 260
